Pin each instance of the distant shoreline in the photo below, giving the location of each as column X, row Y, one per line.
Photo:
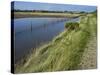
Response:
column 40, row 14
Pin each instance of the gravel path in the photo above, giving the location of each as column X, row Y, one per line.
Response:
column 89, row 58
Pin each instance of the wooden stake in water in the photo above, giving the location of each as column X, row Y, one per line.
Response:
column 31, row 26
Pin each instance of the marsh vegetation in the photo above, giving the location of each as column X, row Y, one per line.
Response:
column 65, row 51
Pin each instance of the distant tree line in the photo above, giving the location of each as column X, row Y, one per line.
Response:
column 18, row 10
column 72, row 12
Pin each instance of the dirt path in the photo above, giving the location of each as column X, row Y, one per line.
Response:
column 89, row 58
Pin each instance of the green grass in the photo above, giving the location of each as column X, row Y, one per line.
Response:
column 40, row 14
column 64, row 52
column 72, row 25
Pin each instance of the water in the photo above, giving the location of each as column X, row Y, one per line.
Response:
column 34, row 32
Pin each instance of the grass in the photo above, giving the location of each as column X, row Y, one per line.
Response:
column 40, row 14
column 64, row 52
column 72, row 25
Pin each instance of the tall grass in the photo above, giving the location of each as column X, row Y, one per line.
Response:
column 64, row 52
column 72, row 25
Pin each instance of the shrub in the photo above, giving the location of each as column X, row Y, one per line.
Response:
column 72, row 25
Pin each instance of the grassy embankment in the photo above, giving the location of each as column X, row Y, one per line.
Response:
column 64, row 52
column 40, row 14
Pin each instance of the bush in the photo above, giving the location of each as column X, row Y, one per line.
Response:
column 72, row 25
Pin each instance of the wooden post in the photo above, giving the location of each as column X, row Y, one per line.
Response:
column 31, row 26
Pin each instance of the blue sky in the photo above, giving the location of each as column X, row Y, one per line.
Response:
column 52, row 7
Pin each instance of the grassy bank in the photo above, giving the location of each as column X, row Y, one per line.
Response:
column 40, row 14
column 64, row 52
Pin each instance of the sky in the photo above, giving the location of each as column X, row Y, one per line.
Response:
column 52, row 7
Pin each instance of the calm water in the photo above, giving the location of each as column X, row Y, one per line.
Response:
column 34, row 32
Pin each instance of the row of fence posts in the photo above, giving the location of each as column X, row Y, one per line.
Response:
column 51, row 23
